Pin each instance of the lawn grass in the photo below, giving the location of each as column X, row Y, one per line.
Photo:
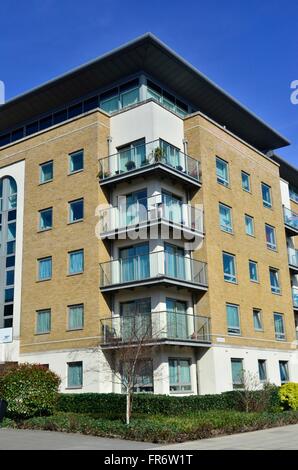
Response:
column 158, row 428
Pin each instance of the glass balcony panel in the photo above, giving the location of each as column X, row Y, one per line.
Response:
column 291, row 218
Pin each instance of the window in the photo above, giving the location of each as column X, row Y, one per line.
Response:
column 237, row 372
column 46, row 219
column 262, row 370
column 253, row 271
column 279, row 327
column 293, row 193
column 44, row 268
column 249, row 225
column 75, row 317
column 229, row 267
column 284, row 371
column 233, row 319
column 270, row 237
column 76, row 210
column 76, row 161
column 274, row 281
column 75, row 374
column 43, row 321
column 222, row 171
column 257, row 319
column 245, row 178
column 266, row 194
column 76, row 262
column 179, row 371
column 143, row 377
column 46, row 172
column 225, row 218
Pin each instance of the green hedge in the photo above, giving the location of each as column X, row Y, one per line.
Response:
column 111, row 404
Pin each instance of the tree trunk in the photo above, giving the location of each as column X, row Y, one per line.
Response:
column 128, row 407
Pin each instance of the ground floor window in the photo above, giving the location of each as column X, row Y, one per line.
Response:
column 262, row 370
column 141, row 379
column 179, row 372
column 237, row 372
column 284, row 371
column 75, row 374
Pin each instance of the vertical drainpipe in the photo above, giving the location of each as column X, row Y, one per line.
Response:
column 109, row 141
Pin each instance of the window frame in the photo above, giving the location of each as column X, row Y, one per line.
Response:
column 179, row 383
column 232, row 331
column 69, row 211
column 279, row 336
column 69, row 364
column 237, row 385
column 259, row 311
column 249, row 181
column 232, row 280
column 70, row 156
column 43, row 310
column 221, row 204
column 250, row 261
column 264, row 361
column 40, row 229
column 265, row 203
column 247, row 216
column 274, row 290
column 40, row 172
column 269, row 245
column 221, row 181
column 38, row 268
column 69, row 256
column 286, row 363
column 69, row 307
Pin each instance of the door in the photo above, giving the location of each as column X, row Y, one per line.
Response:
column 136, row 320
column 174, row 261
column 176, row 319
column 134, row 263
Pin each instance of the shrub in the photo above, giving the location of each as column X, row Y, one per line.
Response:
column 288, row 395
column 29, row 390
column 112, row 405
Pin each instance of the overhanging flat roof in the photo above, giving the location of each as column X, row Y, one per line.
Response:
column 148, row 54
column 287, row 171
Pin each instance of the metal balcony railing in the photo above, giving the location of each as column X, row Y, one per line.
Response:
column 155, row 326
column 154, row 265
column 290, row 218
column 293, row 257
column 145, row 155
column 131, row 212
column 295, row 296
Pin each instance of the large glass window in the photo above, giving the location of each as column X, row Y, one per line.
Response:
column 46, row 172
column 143, row 375
column 279, row 327
column 172, row 207
column 233, row 321
column 75, row 374
column 257, row 319
column 177, row 327
column 266, row 194
column 76, row 161
column 46, row 219
column 284, row 371
column 262, row 370
column 75, row 317
column 237, row 372
column 134, row 263
column 136, row 320
column 76, row 262
column 249, row 225
column 43, row 321
column 222, row 172
column 174, row 261
column 45, row 268
column 131, row 156
column 293, row 193
column 253, row 271
column 274, row 281
column 179, row 372
column 270, row 237
column 76, row 210
column 225, row 218
column 245, row 179
column 229, row 267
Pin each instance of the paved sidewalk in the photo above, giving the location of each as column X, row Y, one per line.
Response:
column 282, row 438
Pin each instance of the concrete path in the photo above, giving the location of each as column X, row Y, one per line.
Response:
column 285, row 438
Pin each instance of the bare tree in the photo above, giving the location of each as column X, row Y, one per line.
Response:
column 132, row 338
column 249, row 384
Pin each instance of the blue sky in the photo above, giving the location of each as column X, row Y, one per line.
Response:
column 248, row 48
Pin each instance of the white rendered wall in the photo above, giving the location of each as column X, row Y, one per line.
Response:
column 149, row 120
column 285, row 195
column 10, row 351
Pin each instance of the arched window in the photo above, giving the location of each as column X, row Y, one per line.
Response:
column 8, row 222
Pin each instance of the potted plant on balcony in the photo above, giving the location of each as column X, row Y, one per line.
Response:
column 130, row 165
column 158, row 154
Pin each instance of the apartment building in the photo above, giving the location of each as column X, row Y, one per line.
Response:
column 137, row 195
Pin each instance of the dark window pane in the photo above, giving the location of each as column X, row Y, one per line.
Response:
column 46, row 122
column 8, row 323
column 75, row 110
column 181, row 105
column 109, row 94
column 168, row 96
column 12, row 215
column 10, row 261
column 129, row 85
column 153, row 86
column 10, row 278
column 32, row 128
column 11, row 248
column 60, row 116
column 8, row 310
column 90, row 104
column 9, row 293
column 17, row 134
column 4, row 140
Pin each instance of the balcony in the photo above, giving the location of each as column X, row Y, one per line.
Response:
column 167, row 327
column 291, row 221
column 155, row 156
column 295, row 297
column 157, row 268
column 132, row 215
column 293, row 259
